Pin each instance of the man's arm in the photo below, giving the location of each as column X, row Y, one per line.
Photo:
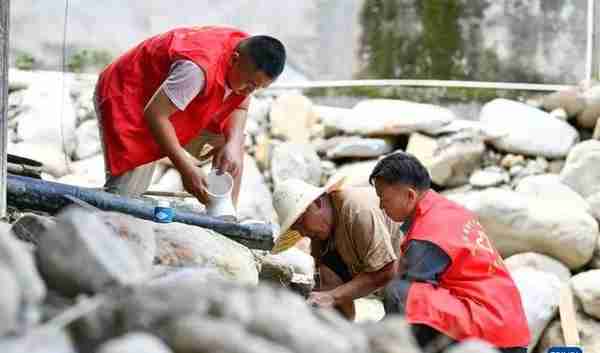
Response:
column 157, row 113
column 229, row 158
column 364, row 284
column 422, row 261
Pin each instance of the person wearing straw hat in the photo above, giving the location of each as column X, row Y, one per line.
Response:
column 350, row 239
column 451, row 283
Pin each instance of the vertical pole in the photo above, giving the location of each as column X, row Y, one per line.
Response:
column 4, row 35
column 596, row 41
column 590, row 41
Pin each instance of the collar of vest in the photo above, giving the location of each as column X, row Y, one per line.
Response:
column 223, row 66
column 426, row 203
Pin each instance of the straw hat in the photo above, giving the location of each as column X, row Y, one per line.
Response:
column 291, row 199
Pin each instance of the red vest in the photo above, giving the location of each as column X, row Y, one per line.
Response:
column 125, row 87
column 477, row 297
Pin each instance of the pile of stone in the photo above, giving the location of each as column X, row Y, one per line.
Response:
column 527, row 169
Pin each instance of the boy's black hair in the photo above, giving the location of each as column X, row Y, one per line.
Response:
column 267, row 53
column 403, row 168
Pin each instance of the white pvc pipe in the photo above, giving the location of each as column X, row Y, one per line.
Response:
column 420, row 83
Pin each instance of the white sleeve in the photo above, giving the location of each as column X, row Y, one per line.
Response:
column 184, row 83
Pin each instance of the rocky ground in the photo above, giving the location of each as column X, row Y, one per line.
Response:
column 85, row 281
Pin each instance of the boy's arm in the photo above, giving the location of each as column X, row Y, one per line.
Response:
column 230, row 157
column 157, row 113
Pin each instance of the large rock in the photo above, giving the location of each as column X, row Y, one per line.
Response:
column 488, row 177
column 332, row 118
column 549, row 187
column 30, row 227
column 88, row 172
column 594, row 203
column 394, row 117
column 185, row 245
column 292, row 117
column 515, row 121
column 88, row 140
column 588, row 332
column 255, row 200
column 449, row 160
column 355, row 147
column 588, row 117
column 275, row 269
column 356, row 174
column 538, row 262
column 300, row 261
column 473, row 127
column 586, row 288
column 472, row 346
column 170, row 181
column 192, row 315
column 54, row 161
column 138, row 235
column 577, row 173
column 293, row 160
column 84, row 102
column 392, row 335
column 193, row 334
column 571, row 100
column 259, row 110
column 595, row 263
column 136, row 342
column 10, row 300
column 540, row 295
column 81, row 254
column 519, row 223
column 40, row 342
column 368, row 309
column 15, row 257
column 49, row 117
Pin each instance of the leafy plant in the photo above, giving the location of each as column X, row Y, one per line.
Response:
column 25, row 61
column 89, row 60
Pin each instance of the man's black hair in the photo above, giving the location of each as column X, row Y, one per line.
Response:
column 402, row 168
column 267, row 53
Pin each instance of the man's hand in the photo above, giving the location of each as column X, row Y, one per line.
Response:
column 229, row 158
column 321, row 299
column 194, row 182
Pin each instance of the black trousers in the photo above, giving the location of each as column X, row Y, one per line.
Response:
column 428, row 337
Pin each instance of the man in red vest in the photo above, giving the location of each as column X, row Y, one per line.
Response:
column 451, row 281
column 185, row 87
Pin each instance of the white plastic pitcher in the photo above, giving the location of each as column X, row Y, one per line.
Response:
column 219, row 189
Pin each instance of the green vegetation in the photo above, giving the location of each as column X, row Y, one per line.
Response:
column 89, row 60
column 25, row 61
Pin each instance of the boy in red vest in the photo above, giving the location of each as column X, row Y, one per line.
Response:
column 185, row 87
column 451, row 280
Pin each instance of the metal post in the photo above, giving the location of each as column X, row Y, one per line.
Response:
column 4, row 35
column 596, row 41
column 589, row 51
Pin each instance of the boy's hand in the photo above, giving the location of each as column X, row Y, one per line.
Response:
column 229, row 159
column 321, row 299
column 194, row 182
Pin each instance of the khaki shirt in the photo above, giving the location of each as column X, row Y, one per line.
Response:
column 363, row 233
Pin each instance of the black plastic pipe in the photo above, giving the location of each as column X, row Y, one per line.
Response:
column 36, row 194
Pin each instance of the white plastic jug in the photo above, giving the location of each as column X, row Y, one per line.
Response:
column 219, row 189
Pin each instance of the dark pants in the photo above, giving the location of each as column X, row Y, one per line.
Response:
column 427, row 337
column 333, row 260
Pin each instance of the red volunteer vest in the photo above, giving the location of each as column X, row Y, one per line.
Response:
column 477, row 297
column 125, row 87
